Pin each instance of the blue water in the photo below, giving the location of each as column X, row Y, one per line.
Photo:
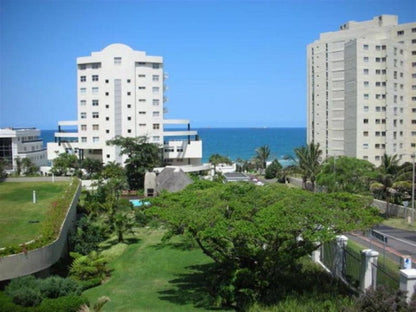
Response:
column 240, row 142
column 138, row 202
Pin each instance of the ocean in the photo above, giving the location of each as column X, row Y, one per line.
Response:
column 239, row 142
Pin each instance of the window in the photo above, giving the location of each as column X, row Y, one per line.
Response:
column 378, row 83
column 83, row 90
column 95, row 90
column 378, row 59
column 95, row 139
column 365, row 145
column 107, row 131
column 156, row 114
column 94, row 102
column 366, row 83
column 155, row 102
column 107, row 94
column 365, row 46
column 377, row 133
column 83, row 127
column 142, row 125
column 142, row 100
column 365, row 133
column 377, row 158
column 82, row 66
column 155, row 78
column 95, row 127
column 108, row 155
column 83, row 102
column 413, row 41
column 155, row 89
column 128, row 105
column 83, row 78
column 155, row 65
column 83, row 115
column 96, row 65
column 142, row 76
column 128, row 80
column 365, row 108
column 378, row 109
column 141, row 64
column 156, row 138
column 94, row 77
column 84, row 139
column 365, row 120
column 95, row 115
column 378, row 48
column 142, row 88
column 107, row 106
column 106, row 81
column 128, row 130
column 117, row 61
column 155, row 126
column 377, row 121
column 107, row 118
column 365, row 71
column 400, row 33
column 129, row 93
column 142, row 113
column 413, row 30
column 129, row 118
column 378, row 71
column 365, row 96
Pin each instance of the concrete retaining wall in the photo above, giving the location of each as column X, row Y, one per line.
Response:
column 39, row 259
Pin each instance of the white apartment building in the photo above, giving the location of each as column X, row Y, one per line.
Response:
column 21, row 143
column 121, row 92
column 361, row 90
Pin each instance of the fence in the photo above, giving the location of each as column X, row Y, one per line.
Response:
column 360, row 269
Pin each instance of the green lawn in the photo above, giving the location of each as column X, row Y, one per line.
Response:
column 17, row 209
column 400, row 223
column 149, row 276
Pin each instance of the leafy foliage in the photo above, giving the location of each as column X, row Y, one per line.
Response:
column 262, row 155
column 142, row 156
column 87, row 236
column 92, row 166
column 273, row 170
column 88, row 267
column 255, row 234
column 308, row 162
column 346, row 174
column 29, row 291
column 70, row 303
column 63, row 163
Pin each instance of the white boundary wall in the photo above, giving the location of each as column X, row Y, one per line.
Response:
column 42, row 258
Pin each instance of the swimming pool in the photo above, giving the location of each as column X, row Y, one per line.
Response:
column 139, row 202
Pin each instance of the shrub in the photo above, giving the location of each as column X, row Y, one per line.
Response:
column 24, row 291
column 69, row 303
column 56, row 286
column 88, row 267
column 7, row 304
column 86, row 237
column 381, row 300
column 90, row 283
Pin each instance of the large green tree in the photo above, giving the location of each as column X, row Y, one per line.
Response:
column 141, row 157
column 93, row 167
column 64, row 163
column 346, row 174
column 256, row 234
column 273, row 170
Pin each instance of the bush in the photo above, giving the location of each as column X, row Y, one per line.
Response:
column 381, row 300
column 55, row 286
column 7, row 304
column 90, row 283
column 69, row 303
column 86, row 237
column 24, row 291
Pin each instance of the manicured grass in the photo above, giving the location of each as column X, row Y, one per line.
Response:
column 17, row 209
column 151, row 276
column 399, row 223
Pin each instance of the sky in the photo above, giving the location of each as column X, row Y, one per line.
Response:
column 231, row 63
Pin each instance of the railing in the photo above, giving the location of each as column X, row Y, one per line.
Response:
column 353, row 267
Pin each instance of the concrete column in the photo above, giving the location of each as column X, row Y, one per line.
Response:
column 368, row 273
column 408, row 282
column 340, row 265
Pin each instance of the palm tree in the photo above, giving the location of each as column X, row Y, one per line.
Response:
column 263, row 154
column 308, row 162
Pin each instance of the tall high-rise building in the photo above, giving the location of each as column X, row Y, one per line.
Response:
column 120, row 92
column 361, row 95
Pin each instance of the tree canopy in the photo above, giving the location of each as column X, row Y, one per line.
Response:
column 308, row 162
column 63, row 162
column 141, row 157
column 256, row 233
column 346, row 174
column 262, row 155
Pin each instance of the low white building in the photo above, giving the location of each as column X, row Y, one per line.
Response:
column 121, row 92
column 21, row 143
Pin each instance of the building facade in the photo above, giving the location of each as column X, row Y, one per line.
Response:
column 361, row 90
column 21, row 143
column 121, row 92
